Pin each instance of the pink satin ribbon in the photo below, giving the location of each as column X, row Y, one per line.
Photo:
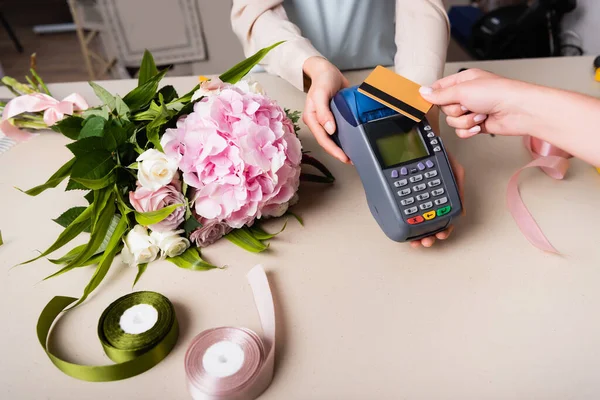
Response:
column 54, row 111
column 256, row 371
column 554, row 162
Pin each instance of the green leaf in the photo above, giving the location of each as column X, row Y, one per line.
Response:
column 300, row 221
column 246, row 240
column 121, row 108
column 54, row 180
column 83, row 147
column 113, row 247
column 67, row 218
column 98, row 233
column 72, row 185
column 191, row 259
column 191, row 224
column 89, row 197
column 93, row 126
column 260, row 234
column 150, row 114
column 99, row 111
column 147, row 68
column 69, row 126
column 139, row 97
column 95, row 171
column 70, row 232
column 168, row 93
column 1, row 241
column 153, row 128
column 40, row 81
column 141, row 270
column 104, row 95
column 154, row 217
column 240, row 70
column 117, row 133
column 71, row 255
column 309, row 160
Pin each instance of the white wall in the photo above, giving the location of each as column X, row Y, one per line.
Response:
column 585, row 20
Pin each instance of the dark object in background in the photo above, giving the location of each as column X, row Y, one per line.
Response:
column 11, row 33
column 520, row 31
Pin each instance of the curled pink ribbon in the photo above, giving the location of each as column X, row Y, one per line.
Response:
column 54, row 111
column 235, row 363
column 554, row 162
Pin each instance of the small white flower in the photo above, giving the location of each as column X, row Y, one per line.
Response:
column 275, row 210
column 139, row 247
column 155, row 169
column 171, row 243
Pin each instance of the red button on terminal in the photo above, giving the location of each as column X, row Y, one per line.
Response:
column 416, row 220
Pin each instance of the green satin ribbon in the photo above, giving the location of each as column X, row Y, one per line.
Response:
column 133, row 354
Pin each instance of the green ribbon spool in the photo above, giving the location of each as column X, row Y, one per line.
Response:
column 133, row 353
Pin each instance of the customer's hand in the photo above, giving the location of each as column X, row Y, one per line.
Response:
column 327, row 80
column 476, row 101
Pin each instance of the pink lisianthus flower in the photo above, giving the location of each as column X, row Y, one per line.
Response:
column 145, row 200
column 238, row 150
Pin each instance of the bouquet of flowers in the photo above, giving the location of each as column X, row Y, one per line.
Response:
column 167, row 175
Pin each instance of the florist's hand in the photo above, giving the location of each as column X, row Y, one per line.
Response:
column 459, row 174
column 476, row 101
column 327, row 80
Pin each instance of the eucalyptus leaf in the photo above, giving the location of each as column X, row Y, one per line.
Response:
column 54, row 180
column 147, row 68
column 72, row 231
column 240, row 70
column 141, row 270
column 112, row 249
column 154, row 217
column 93, row 126
column 191, row 260
column 69, row 126
column 139, row 97
column 246, row 240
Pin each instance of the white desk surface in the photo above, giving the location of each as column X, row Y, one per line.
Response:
column 484, row 315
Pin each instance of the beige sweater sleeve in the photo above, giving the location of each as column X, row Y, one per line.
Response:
column 259, row 24
column 422, row 35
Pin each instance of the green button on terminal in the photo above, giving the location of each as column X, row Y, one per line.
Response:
column 443, row 211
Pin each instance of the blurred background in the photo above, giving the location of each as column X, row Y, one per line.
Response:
column 77, row 40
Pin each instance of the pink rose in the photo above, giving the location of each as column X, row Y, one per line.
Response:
column 144, row 200
column 209, row 232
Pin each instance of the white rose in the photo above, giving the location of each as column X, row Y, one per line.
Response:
column 155, row 169
column 250, row 86
column 139, row 247
column 170, row 243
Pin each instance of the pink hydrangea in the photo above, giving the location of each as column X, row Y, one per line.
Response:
column 239, row 151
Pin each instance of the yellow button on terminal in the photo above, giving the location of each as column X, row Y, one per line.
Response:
column 429, row 215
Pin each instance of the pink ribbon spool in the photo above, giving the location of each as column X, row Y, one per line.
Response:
column 235, row 363
column 555, row 163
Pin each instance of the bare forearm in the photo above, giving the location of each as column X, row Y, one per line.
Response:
column 566, row 119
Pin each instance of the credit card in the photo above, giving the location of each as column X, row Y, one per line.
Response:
column 396, row 92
